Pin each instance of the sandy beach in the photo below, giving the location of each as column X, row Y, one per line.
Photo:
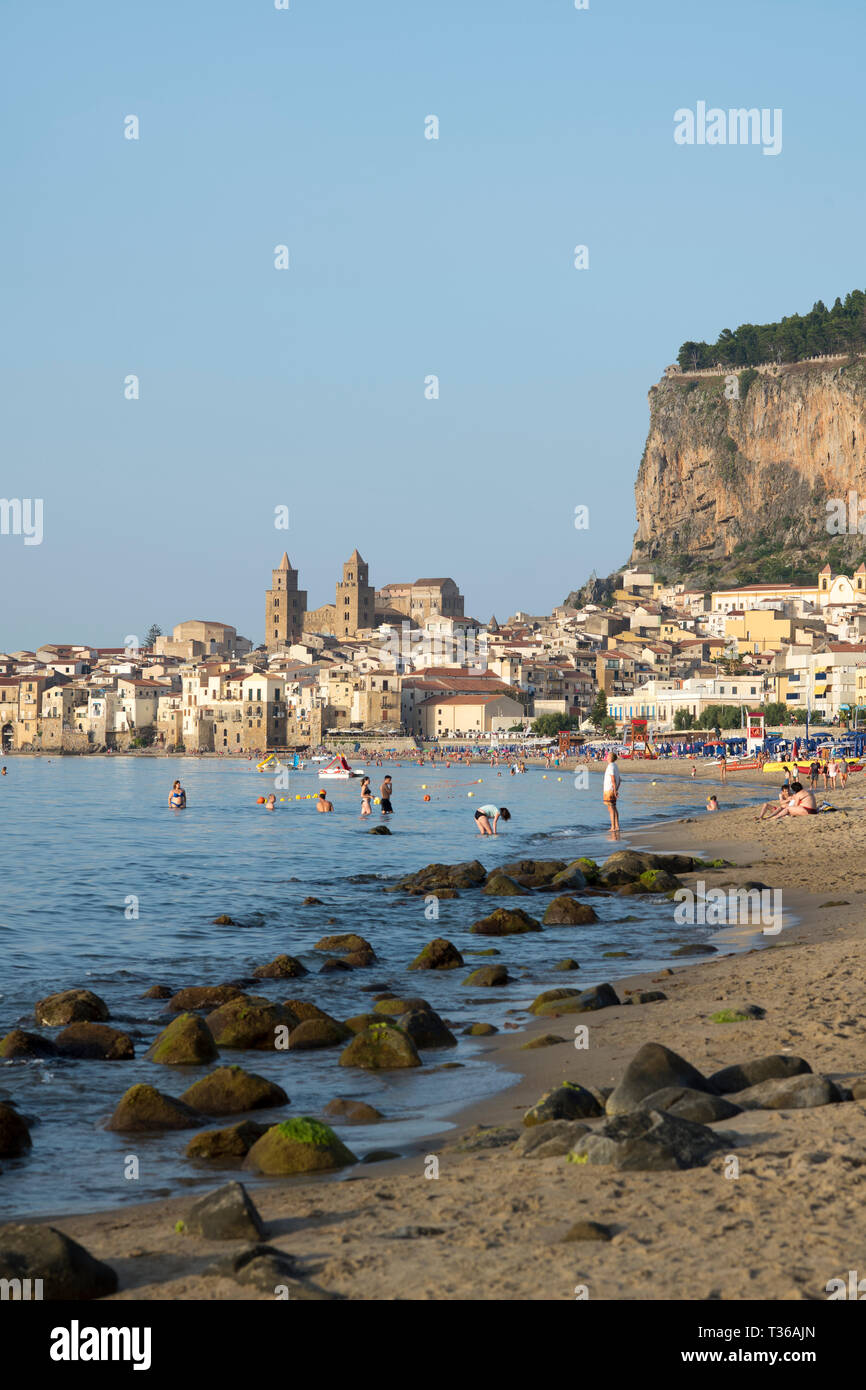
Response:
column 780, row 1222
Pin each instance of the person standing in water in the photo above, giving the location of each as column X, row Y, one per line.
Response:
column 366, row 797
column 385, row 793
column 322, row 802
column 177, row 796
column 610, row 792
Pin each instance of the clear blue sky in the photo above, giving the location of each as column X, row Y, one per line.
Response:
column 408, row 257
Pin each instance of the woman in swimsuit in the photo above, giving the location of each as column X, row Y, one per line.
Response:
column 366, row 798
column 177, row 796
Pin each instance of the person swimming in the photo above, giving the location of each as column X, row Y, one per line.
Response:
column 270, row 802
column 177, row 796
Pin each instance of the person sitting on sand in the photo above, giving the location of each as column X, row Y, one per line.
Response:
column 771, row 809
column 488, row 817
column 802, row 802
column 322, row 802
column 712, row 803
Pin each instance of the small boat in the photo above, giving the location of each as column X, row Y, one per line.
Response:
column 338, row 767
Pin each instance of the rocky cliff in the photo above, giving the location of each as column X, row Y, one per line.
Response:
column 743, row 467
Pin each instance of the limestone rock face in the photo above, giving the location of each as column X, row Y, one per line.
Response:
column 717, row 471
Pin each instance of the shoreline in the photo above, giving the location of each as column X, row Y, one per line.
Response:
column 505, row 1217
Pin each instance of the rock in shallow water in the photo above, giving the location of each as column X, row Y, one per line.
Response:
column 71, row 1006
column 381, row 1047
column 438, row 954
column 142, row 1109
column 14, row 1134
column 505, row 922
column 20, row 1043
column 187, row 1041
column 233, row 1091
column 233, row 1142
column 303, row 1145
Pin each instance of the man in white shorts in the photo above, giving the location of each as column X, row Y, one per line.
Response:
column 610, row 792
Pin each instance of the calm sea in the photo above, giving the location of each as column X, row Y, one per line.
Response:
column 84, row 837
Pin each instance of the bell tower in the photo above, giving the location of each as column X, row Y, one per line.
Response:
column 355, row 606
column 285, row 607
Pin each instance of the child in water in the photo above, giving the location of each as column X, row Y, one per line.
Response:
column 712, row 803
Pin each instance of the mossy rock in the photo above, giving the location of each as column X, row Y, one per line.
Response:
column 587, row 1001
column 14, row 1135
column 143, row 1109
column 224, row 920
column 505, row 921
column 71, row 1006
column 318, row 1032
column 568, row 964
column 346, row 941
column 500, row 885
column 730, row 1016
column 566, row 912
column 304, row 1010
column 572, row 876
column 234, row 1142
column 480, row 1030
column 543, row 1040
column 625, row 866
column 588, row 868
column 381, row 1047
column 95, row 1041
column 659, row 881
column 249, row 1022
column 358, row 1022
column 395, row 1005
column 301, row 1145
column 378, row 830
column 202, row 997
column 20, row 1043
column 438, row 954
column 186, row 1042
column 488, row 975
column 549, row 995
column 233, row 1091
column 281, row 968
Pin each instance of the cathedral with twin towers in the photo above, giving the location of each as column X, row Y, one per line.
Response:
column 358, row 607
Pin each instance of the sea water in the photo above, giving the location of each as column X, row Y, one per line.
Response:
column 103, row 886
